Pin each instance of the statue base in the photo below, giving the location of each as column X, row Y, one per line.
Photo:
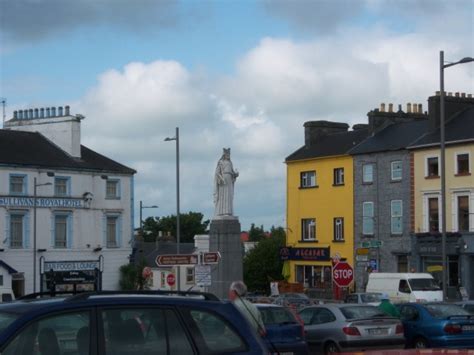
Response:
column 224, row 237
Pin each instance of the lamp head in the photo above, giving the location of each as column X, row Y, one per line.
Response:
column 466, row 60
column 167, row 139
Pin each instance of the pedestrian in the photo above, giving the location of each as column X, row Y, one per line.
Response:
column 237, row 292
column 388, row 308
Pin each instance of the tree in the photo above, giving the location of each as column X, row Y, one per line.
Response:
column 256, row 234
column 262, row 264
column 190, row 224
column 131, row 277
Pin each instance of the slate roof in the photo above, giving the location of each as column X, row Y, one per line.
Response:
column 332, row 144
column 396, row 136
column 460, row 127
column 7, row 267
column 32, row 149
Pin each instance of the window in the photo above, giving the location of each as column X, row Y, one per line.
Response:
column 368, row 218
column 112, row 233
column 462, row 164
column 17, row 230
column 17, row 184
column 396, row 207
column 61, row 186
column 61, row 230
column 339, row 229
column 463, row 213
column 1, row 280
column 396, row 170
column 112, row 189
column 308, row 179
column 432, row 167
column 339, row 176
column 402, row 263
column 314, row 276
column 308, row 229
column 368, row 173
column 404, row 287
column 433, row 214
column 189, row 275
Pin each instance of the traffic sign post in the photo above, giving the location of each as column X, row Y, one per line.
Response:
column 170, row 279
column 176, row 259
column 342, row 274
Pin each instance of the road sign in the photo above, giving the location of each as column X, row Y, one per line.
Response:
column 202, row 274
column 170, row 279
column 211, row 257
column 362, row 251
column 371, row 244
column 176, row 259
column 373, row 264
column 342, row 274
column 362, row 258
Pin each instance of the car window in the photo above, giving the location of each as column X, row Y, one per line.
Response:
column 404, row 287
column 306, row 315
column 7, row 297
column 446, row 310
column 424, row 285
column 144, row 331
column 55, row 335
column 218, row 335
column 469, row 308
column 276, row 315
column 408, row 313
column 6, row 319
column 360, row 312
column 371, row 297
column 323, row 316
column 351, row 299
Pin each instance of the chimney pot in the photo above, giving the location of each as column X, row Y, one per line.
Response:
column 420, row 108
column 60, row 111
column 36, row 113
column 390, row 107
column 438, row 93
column 42, row 112
column 469, row 96
column 20, row 114
column 48, row 111
column 450, row 94
column 15, row 114
column 30, row 114
column 456, row 94
column 382, row 107
column 463, row 94
column 67, row 111
column 53, row 111
column 409, row 108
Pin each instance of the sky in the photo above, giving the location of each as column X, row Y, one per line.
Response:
column 229, row 73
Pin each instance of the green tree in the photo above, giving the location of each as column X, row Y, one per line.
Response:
column 262, row 264
column 131, row 277
column 190, row 224
column 256, row 234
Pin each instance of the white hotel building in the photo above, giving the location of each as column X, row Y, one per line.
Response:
column 83, row 203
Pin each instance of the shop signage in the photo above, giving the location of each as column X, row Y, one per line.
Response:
column 41, row 202
column 70, row 265
column 310, row 254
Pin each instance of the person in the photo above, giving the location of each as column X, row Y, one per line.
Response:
column 224, row 180
column 237, row 292
column 388, row 308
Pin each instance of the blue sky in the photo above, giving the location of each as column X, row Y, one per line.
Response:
column 240, row 74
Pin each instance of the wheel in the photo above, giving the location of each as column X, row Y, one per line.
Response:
column 420, row 343
column 330, row 348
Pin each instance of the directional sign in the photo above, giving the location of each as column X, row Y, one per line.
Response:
column 371, row 244
column 176, row 259
column 342, row 274
column 211, row 257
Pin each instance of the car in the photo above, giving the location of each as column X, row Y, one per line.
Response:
column 284, row 332
column 119, row 323
column 293, row 299
column 341, row 327
column 437, row 325
column 372, row 298
column 467, row 305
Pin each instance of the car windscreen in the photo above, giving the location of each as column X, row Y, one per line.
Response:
column 6, row 319
column 423, row 285
column 370, row 297
column 352, row 312
column 446, row 310
column 276, row 315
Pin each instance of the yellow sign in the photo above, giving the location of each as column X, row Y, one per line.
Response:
column 434, row 268
column 362, row 251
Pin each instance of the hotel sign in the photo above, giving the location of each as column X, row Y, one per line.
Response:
column 10, row 201
column 308, row 254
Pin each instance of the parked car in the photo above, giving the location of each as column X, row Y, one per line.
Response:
column 119, row 323
column 332, row 328
column 285, row 333
column 371, row 298
column 295, row 300
column 467, row 305
column 437, row 325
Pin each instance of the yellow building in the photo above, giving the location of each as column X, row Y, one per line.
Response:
column 320, row 203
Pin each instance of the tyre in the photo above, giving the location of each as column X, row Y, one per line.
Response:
column 420, row 343
column 330, row 348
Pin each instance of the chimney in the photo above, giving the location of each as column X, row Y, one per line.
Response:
column 315, row 130
column 67, row 111
column 390, row 107
column 420, row 108
column 408, row 108
column 452, row 105
column 382, row 107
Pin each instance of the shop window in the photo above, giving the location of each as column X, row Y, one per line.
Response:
column 367, row 173
column 462, row 164
column 338, row 176
column 463, row 213
column 433, row 214
column 432, row 167
column 308, row 229
column 308, row 179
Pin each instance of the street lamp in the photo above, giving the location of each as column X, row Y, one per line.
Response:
column 442, row 66
column 141, row 219
column 34, row 227
column 178, row 232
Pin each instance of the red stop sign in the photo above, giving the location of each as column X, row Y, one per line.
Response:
column 170, row 279
column 342, row 274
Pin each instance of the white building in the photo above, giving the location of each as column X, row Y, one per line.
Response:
column 84, row 206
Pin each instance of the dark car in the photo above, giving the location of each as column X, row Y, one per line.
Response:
column 119, row 323
column 437, row 325
column 294, row 300
column 285, row 333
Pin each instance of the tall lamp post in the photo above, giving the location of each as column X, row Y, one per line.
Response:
column 141, row 218
column 442, row 66
column 178, row 232
column 35, row 185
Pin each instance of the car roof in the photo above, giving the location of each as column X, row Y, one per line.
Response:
column 268, row 305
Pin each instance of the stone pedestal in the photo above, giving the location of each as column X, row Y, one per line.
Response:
column 224, row 237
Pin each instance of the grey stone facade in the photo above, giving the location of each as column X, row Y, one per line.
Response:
column 381, row 192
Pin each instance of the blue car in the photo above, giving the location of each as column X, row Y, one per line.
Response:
column 437, row 325
column 285, row 333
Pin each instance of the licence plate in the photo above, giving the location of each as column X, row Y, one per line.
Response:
column 378, row 331
column 467, row 328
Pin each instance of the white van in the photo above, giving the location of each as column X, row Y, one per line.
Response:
column 405, row 287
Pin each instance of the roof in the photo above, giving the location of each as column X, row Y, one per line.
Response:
column 396, row 136
column 330, row 145
column 7, row 267
column 32, row 149
column 460, row 127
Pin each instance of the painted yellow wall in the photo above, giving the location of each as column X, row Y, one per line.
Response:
column 453, row 183
column 323, row 203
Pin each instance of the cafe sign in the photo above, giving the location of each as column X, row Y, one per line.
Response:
column 305, row 254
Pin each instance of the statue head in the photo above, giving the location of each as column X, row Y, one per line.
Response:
column 226, row 153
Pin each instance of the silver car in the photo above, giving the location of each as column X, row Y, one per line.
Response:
column 332, row 328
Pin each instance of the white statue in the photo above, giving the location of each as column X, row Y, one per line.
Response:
column 224, row 180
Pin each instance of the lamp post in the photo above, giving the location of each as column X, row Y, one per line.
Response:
column 442, row 66
column 35, row 185
column 141, row 219
column 178, row 232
